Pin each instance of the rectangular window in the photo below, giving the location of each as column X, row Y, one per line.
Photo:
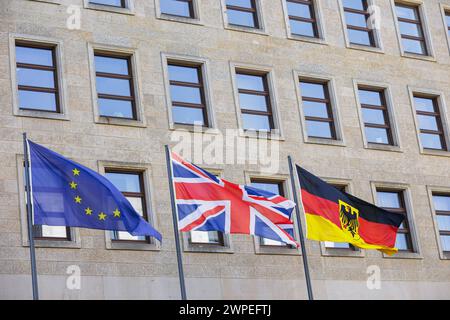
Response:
column 187, row 93
column 131, row 184
column 442, row 209
column 411, row 29
column 317, row 109
column 112, row 3
column 254, row 100
column 356, row 16
column 242, row 13
column 447, row 22
column 375, row 115
column 394, row 201
column 37, row 77
column 180, row 8
column 115, row 88
column 302, row 18
column 431, row 128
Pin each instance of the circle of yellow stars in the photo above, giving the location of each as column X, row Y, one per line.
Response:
column 88, row 211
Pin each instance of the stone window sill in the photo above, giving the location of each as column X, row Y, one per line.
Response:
column 41, row 114
column 330, row 142
column 404, row 255
column 246, row 29
column 419, row 57
column 307, row 39
column 120, row 122
column 135, row 246
column 100, row 7
column 169, row 17
column 382, row 147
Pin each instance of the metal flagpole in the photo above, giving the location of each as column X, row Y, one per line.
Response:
column 175, row 225
column 30, row 219
column 302, row 238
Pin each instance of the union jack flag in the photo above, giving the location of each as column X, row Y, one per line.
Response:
column 208, row 203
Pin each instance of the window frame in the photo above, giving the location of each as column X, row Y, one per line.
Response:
column 372, row 33
column 259, row 28
column 194, row 9
column 432, row 191
column 445, row 11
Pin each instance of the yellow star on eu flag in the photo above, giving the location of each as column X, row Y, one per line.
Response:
column 76, row 172
column 77, row 199
column 73, row 185
column 102, row 216
column 88, row 211
column 116, row 213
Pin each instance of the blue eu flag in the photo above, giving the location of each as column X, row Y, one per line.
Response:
column 65, row 193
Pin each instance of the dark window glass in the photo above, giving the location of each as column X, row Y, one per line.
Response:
column 114, row 82
column 317, row 109
column 302, row 18
column 254, row 99
column 442, row 209
column 131, row 184
column 432, row 134
column 37, row 77
column 394, row 201
column 411, row 29
column 187, row 94
column 242, row 13
column 447, row 21
column 112, row 3
column 356, row 17
column 375, row 116
column 182, row 8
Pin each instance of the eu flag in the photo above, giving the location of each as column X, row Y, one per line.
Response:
column 65, row 193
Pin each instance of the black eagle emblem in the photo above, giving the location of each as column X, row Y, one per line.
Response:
column 349, row 218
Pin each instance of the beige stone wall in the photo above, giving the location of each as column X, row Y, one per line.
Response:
column 242, row 274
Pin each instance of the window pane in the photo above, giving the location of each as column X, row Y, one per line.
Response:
column 312, row 90
column 255, row 122
column 431, row 141
column 115, row 108
column 111, row 65
column 35, row 78
column 444, row 223
column 373, row 116
column 410, row 29
column 406, row 12
column 354, row 4
column 241, row 18
column 253, row 102
column 249, row 82
column 402, row 241
column 138, row 206
column 424, row 104
column 355, row 19
column 370, row 97
column 115, row 3
column 315, row 109
column 318, row 129
column 185, row 94
column 413, row 46
column 337, row 245
column 125, row 182
column 266, row 186
column 175, row 7
column 37, row 100
column 270, row 242
column 359, row 37
column 118, row 87
column 388, row 199
column 445, row 241
column 428, row 122
column 377, row 135
column 299, row 10
column 183, row 74
column 441, row 203
column 302, row 28
column 240, row 3
column 187, row 115
column 205, row 237
column 54, row 231
column 43, row 57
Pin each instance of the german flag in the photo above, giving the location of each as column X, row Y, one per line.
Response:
column 332, row 215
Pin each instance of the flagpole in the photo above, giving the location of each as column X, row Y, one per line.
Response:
column 30, row 220
column 175, row 225
column 302, row 238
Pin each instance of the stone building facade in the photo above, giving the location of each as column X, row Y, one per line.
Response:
column 239, row 267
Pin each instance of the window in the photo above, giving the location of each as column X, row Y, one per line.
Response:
column 432, row 134
column 442, row 209
column 254, row 100
column 447, row 22
column 131, row 184
column 375, row 115
column 411, row 29
column 181, row 8
column 187, row 93
column 394, row 201
column 302, row 18
column 356, row 16
column 115, row 88
column 206, row 237
column 37, row 77
column 275, row 187
column 317, row 109
column 112, row 3
column 242, row 13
